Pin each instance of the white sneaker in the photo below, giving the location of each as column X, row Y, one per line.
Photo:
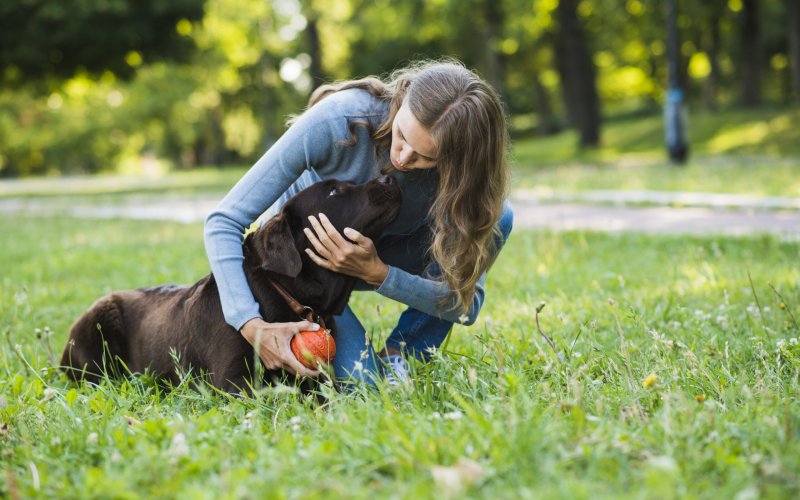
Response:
column 395, row 369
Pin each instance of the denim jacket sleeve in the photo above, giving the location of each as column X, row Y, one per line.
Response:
column 428, row 295
column 312, row 142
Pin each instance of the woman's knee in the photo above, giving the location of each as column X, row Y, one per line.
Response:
column 506, row 221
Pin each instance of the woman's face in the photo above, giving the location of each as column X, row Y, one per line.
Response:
column 412, row 145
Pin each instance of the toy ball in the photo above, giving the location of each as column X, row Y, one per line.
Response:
column 312, row 348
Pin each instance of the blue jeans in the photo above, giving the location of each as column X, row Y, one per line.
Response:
column 416, row 332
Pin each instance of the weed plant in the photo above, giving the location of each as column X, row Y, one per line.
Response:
column 673, row 373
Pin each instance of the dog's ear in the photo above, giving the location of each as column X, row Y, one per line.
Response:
column 277, row 249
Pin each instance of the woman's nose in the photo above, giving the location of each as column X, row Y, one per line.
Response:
column 406, row 153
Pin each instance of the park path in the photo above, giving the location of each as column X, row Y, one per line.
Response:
column 612, row 211
column 660, row 212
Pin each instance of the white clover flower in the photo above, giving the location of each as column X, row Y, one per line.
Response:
column 49, row 393
column 453, row 415
column 295, row 422
column 247, row 423
column 92, row 438
column 472, row 376
column 178, row 448
column 793, row 341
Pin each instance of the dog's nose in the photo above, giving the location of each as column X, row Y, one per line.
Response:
column 387, row 179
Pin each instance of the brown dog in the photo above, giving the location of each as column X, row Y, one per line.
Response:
column 139, row 328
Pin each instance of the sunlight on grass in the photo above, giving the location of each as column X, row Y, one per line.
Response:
column 746, row 152
column 670, row 375
column 749, row 134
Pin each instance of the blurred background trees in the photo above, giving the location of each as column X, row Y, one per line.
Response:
column 91, row 85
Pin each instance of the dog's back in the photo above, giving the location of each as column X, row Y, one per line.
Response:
column 142, row 329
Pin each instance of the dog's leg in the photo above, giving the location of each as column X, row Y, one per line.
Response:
column 96, row 342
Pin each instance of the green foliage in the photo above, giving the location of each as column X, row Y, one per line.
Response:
column 57, row 38
column 73, row 131
column 251, row 62
column 494, row 415
column 226, row 106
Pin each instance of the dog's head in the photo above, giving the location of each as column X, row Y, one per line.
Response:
column 280, row 244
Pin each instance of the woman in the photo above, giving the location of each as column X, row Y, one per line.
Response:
column 442, row 132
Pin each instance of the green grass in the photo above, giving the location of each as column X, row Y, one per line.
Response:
column 748, row 152
column 494, row 415
column 110, row 187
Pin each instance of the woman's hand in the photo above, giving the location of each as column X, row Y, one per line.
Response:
column 356, row 257
column 272, row 341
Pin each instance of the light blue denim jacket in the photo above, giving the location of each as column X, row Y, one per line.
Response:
column 312, row 149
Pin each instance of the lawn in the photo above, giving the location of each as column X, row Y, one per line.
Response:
column 754, row 152
column 676, row 375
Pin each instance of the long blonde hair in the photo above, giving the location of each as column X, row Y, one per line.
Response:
column 466, row 121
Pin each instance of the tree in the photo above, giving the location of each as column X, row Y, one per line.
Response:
column 793, row 13
column 712, row 13
column 492, row 59
column 314, row 46
column 577, row 73
column 751, row 53
column 56, row 38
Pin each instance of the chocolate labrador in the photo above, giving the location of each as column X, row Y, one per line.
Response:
column 146, row 328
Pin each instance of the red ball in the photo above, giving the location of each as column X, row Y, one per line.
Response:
column 314, row 347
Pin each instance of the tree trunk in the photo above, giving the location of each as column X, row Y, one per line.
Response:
column 793, row 13
column 712, row 82
column 313, row 44
column 577, row 74
column 314, row 51
column 493, row 60
column 751, row 54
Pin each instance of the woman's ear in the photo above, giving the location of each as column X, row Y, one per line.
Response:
column 276, row 248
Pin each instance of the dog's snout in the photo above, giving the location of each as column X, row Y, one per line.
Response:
column 387, row 179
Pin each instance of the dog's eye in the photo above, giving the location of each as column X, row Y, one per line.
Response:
column 333, row 192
